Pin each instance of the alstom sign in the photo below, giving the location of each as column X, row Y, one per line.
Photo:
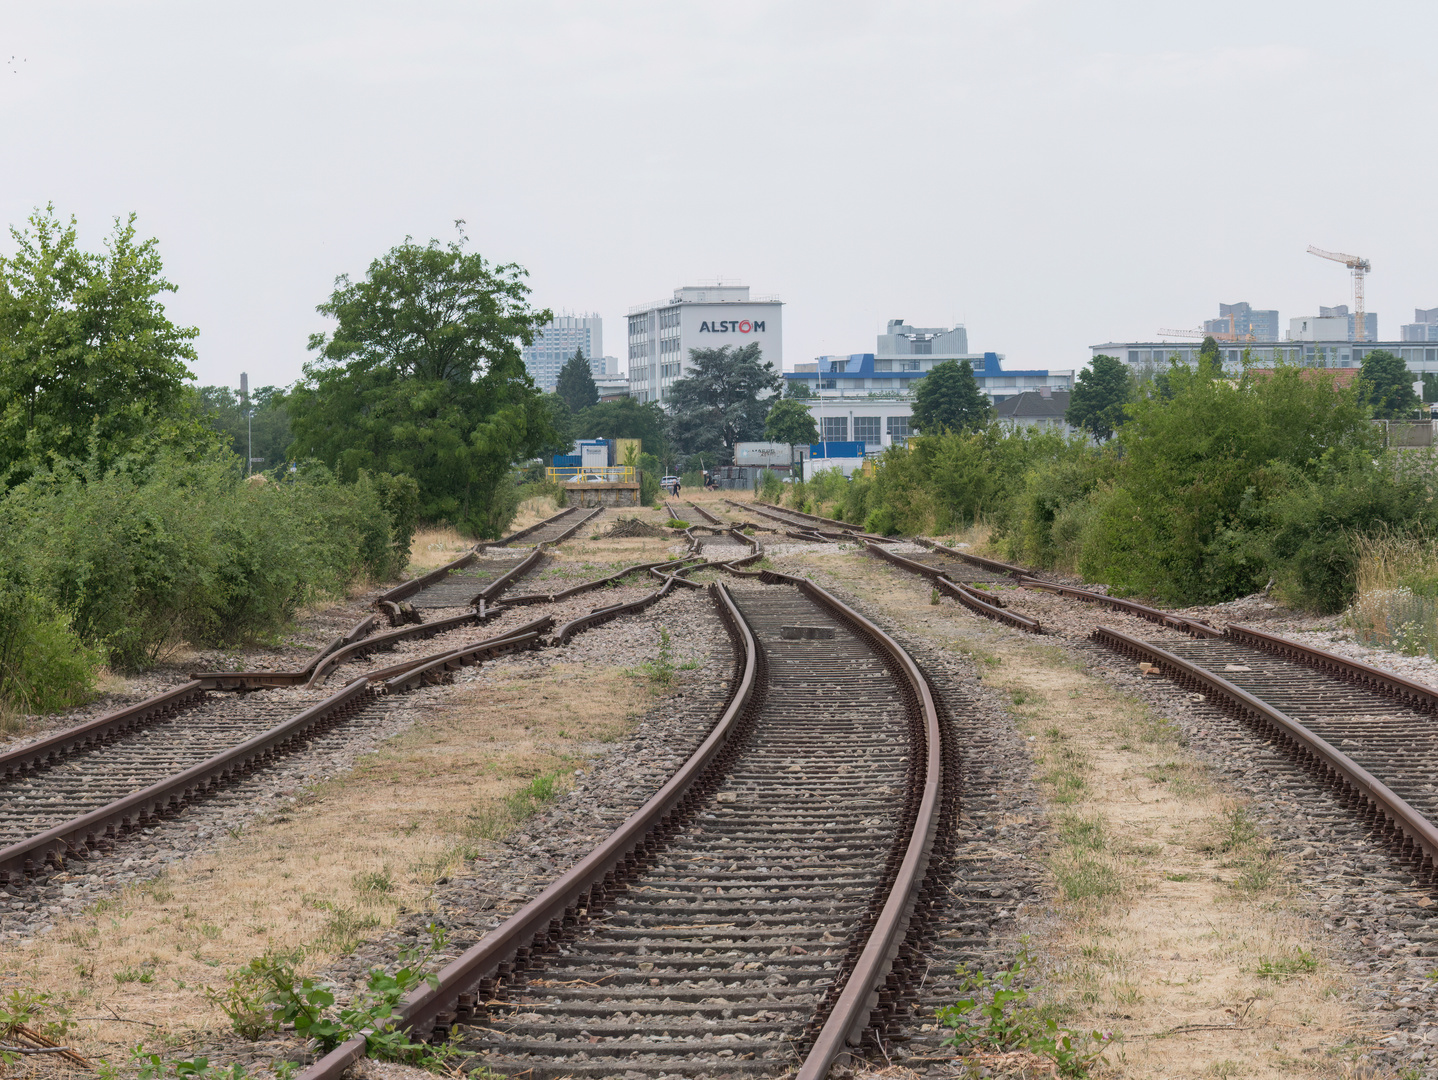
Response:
column 732, row 326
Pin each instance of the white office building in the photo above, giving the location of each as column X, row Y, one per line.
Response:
column 556, row 342
column 698, row 317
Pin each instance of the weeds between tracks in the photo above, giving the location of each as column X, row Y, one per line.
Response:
column 1167, row 900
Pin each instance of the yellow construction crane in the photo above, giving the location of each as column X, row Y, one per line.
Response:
column 1359, row 266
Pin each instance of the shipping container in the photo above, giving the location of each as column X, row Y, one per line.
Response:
column 763, row 453
column 836, row 450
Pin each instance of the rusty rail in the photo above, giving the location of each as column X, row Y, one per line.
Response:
column 1415, row 695
column 472, row 977
column 51, row 751
column 567, row 533
column 991, row 565
column 981, row 603
column 1194, row 627
column 1419, row 839
column 424, row 581
column 100, row 828
column 884, row 964
column 430, row 670
column 506, row 579
column 585, row 586
column 522, row 533
column 385, row 640
column 256, row 680
column 604, row 614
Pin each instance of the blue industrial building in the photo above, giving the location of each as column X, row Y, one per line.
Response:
column 862, row 375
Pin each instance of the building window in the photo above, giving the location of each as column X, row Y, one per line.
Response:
column 921, row 348
column 883, row 365
column 828, row 384
column 838, row 365
column 1133, row 356
column 835, row 428
column 866, row 429
column 898, row 427
column 908, row 365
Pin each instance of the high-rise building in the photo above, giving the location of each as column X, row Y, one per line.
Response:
column 1424, row 326
column 1244, row 323
column 556, row 342
column 1332, row 324
column 661, row 333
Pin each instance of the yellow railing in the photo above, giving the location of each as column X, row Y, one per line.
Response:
column 608, row 474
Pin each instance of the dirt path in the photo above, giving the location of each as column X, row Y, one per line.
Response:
column 1172, row 923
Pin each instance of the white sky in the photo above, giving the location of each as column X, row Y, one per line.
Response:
column 1054, row 174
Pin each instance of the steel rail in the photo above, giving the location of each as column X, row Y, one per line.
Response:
column 875, row 975
column 522, row 533
column 845, row 531
column 52, row 750
column 97, row 829
column 604, row 614
column 1413, row 832
column 1194, row 627
column 429, row 671
column 506, row 579
column 586, row 885
column 585, row 586
column 712, row 519
column 409, row 588
column 977, row 601
column 384, row 674
column 255, row 680
column 1415, row 695
column 387, row 639
column 991, row 565
column 567, row 533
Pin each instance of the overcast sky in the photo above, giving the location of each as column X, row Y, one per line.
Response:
column 1052, row 174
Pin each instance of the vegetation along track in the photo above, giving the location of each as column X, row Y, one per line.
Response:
column 766, row 909
column 1366, row 735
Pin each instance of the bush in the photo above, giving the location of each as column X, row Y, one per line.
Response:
column 771, row 488
column 44, row 666
column 141, row 559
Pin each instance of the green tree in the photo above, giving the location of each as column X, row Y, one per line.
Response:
column 1208, row 352
column 1387, row 386
column 422, row 376
column 798, row 389
column 723, row 400
column 790, row 422
column 948, row 398
column 576, row 383
column 624, row 419
column 90, row 366
column 223, row 410
column 1098, row 398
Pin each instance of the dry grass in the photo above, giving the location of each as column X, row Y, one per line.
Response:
column 335, row 867
column 434, row 547
column 1171, row 911
column 1396, row 606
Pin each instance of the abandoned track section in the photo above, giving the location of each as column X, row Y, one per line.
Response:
column 557, row 523
column 772, row 898
column 711, row 519
column 560, row 527
column 154, row 787
column 1378, row 756
column 976, row 600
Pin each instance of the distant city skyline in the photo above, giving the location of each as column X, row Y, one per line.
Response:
column 984, row 164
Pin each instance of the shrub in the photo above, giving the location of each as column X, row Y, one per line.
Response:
column 771, row 488
column 178, row 549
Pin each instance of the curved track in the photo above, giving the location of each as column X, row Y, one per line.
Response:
column 1368, row 737
column 729, row 943
column 766, row 909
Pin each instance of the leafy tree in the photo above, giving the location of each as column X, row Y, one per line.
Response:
column 797, row 388
column 1209, row 353
column 1099, row 396
column 723, row 401
column 624, row 419
column 223, row 410
column 423, row 376
column 948, row 398
column 790, row 422
column 90, row 367
column 561, row 423
column 576, row 383
column 1387, row 385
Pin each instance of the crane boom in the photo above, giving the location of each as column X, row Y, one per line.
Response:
column 1360, row 266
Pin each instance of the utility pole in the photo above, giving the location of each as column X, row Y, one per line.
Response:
column 249, row 426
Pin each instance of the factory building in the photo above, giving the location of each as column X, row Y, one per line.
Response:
column 661, row 333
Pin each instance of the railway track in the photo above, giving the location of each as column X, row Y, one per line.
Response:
column 1364, row 734
column 552, row 530
column 766, row 910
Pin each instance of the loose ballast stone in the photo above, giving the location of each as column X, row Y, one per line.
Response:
column 806, row 633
